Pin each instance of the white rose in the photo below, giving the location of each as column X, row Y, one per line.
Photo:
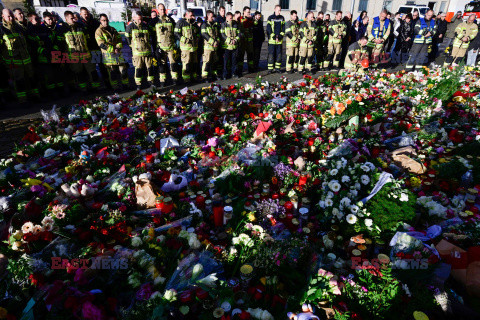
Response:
column 136, row 242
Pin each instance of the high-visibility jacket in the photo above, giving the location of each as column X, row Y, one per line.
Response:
column 76, row 39
column 41, row 44
column 337, row 29
column 108, row 39
column 187, row 32
column 230, row 32
column 15, row 48
column 138, row 37
column 355, row 52
column 165, row 33
column 465, row 29
column 56, row 36
column 378, row 29
column 308, row 32
column 211, row 36
column 422, row 27
column 275, row 28
column 247, row 24
column 292, row 32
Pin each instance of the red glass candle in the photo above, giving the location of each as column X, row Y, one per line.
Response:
column 167, row 205
column 288, row 206
column 186, row 297
column 200, row 201
column 275, row 196
column 149, row 158
column 218, row 215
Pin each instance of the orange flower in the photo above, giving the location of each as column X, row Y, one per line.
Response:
column 349, row 101
column 358, row 98
column 332, row 111
column 278, row 116
column 340, row 108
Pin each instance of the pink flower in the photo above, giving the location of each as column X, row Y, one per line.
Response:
column 91, row 312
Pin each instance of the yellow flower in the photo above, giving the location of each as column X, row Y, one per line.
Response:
column 151, row 233
column 251, row 217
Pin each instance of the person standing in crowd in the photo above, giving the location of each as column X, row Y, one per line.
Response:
column 395, row 26
column 473, row 48
column 230, row 33
column 17, row 58
column 139, row 39
column 415, row 17
column 211, row 37
column 165, row 46
column 58, row 45
column 41, row 54
column 378, row 32
column 220, row 19
column 321, row 42
column 91, row 25
column 450, row 34
column 110, row 42
column 237, row 16
column 439, row 36
column 424, row 31
column 355, row 32
column 199, row 46
column 308, row 35
column 292, row 34
column 275, row 34
column 258, row 39
column 391, row 38
column 404, row 41
column 247, row 41
column 464, row 34
column 20, row 18
column 76, row 38
column 362, row 16
column 364, row 25
column 188, row 33
column 337, row 31
column 347, row 21
column 357, row 52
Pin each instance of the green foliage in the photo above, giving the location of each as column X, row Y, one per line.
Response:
column 352, row 110
column 318, row 290
column 451, row 170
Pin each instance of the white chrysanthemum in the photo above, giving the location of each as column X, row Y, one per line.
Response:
column 27, row 227
column 345, row 202
column 333, row 172
column 352, row 219
column 345, row 179
column 370, row 165
column 136, row 242
column 358, row 186
column 404, row 197
column 354, row 209
column 47, row 220
column 334, row 185
column 368, row 222
column 365, row 179
column 321, row 204
column 328, row 202
column 365, row 168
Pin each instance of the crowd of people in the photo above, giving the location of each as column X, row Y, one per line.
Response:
column 52, row 56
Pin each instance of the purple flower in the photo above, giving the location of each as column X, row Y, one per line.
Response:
column 282, row 171
column 145, row 292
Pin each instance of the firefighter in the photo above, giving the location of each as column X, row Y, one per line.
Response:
column 42, row 47
column 4, row 87
column 166, row 49
column 337, row 31
column 321, row 41
column 357, row 52
column 230, row 33
column 378, row 31
column 464, row 34
column 275, row 34
column 20, row 18
column 424, row 31
column 211, row 38
column 138, row 37
column 247, row 41
column 110, row 42
column 308, row 34
column 58, row 46
column 258, row 39
column 187, row 32
column 237, row 16
column 292, row 34
column 16, row 57
column 80, row 58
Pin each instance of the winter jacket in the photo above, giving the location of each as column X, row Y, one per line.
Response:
column 275, row 29
column 452, row 26
column 91, row 25
column 404, row 32
column 442, row 26
column 258, row 33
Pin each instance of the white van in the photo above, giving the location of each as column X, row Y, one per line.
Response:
column 197, row 11
column 422, row 9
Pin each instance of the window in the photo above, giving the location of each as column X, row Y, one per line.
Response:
column 362, row 5
column 285, row 4
column 337, row 5
column 311, row 4
column 254, row 5
column 388, row 5
column 442, row 6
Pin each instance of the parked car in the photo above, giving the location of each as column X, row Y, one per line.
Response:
column 410, row 8
column 197, row 11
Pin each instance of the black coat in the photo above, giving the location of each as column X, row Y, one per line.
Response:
column 258, row 33
column 355, row 35
column 404, row 31
column 475, row 43
column 441, row 30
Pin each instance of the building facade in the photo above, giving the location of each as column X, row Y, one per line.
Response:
column 373, row 7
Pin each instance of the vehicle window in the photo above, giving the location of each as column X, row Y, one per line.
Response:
column 173, row 12
column 405, row 10
column 472, row 7
column 423, row 11
column 198, row 13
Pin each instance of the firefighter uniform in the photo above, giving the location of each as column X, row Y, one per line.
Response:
column 138, row 37
column 58, row 46
column 211, row 43
column 321, row 43
column 377, row 29
column 187, row 32
column 166, row 50
column 292, row 33
column 459, row 47
column 80, row 57
column 337, row 31
column 108, row 40
column 421, row 43
column 275, row 34
column 230, row 33
column 355, row 54
column 308, row 33
column 246, row 44
column 17, row 59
